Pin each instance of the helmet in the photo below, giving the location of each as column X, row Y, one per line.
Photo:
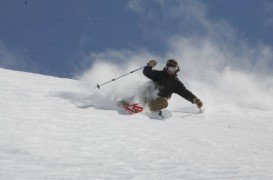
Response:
column 172, row 66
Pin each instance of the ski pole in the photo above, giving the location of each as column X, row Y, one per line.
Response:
column 99, row 85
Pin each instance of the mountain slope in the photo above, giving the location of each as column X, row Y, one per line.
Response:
column 51, row 129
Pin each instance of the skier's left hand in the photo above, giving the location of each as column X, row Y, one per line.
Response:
column 198, row 102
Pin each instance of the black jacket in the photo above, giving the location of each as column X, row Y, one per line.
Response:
column 167, row 84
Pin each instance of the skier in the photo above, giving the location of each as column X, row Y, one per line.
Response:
column 167, row 83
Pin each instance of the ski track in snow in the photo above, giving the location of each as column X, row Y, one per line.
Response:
column 46, row 135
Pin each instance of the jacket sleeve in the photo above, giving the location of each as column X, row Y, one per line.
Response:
column 150, row 73
column 184, row 92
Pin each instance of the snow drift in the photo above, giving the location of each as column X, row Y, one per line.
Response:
column 225, row 78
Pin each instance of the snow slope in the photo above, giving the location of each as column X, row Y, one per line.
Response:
column 50, row 128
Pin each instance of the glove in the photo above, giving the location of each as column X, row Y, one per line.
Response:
column 198, row 102
column 152, row 63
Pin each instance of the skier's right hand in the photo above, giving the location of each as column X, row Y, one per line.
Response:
column 152, row 63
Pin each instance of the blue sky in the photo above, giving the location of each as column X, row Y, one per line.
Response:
column 55, row 37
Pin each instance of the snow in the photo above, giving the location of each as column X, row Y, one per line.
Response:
column 53, row 128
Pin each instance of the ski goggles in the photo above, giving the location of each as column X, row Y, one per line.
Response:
column 171, row 69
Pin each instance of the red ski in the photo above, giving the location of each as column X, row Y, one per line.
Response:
column 131, row 108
